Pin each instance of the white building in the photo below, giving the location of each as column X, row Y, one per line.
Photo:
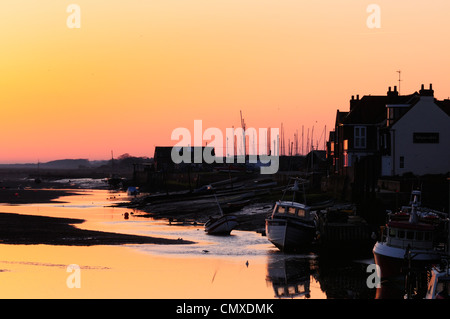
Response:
column 417, row 136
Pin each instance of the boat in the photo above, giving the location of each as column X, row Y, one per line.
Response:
column 407, row 243
column 439, row 285
column 424, row 214
column 222, row 225
column 132, row 191
column 292, row 224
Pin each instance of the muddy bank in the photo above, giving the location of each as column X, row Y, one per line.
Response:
column 197, row 210
column 32, row 230
column 30, row 196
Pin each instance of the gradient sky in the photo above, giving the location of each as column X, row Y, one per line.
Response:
column 136, row 69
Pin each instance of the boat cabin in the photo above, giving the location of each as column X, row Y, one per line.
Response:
column 286, row 209
column 403, row 234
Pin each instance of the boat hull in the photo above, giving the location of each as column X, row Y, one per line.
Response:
column 221, row 226
column 392, row 261
column 289, row 235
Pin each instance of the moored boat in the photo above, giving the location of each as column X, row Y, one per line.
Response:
column 407, row 243
column 222, row 225
column 292, row 224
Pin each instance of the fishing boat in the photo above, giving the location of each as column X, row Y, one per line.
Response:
column 407, row 243
column 424, row 214
column 222, row 225
column 292, row 224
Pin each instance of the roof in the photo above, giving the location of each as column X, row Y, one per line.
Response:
column 166, row 151
column 444, row 105
column 371, row 109
column 408, row 225
column 368, row 110
column 340, row 116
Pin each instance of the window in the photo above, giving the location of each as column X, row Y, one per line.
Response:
column 401, row 234
column 360, row 137
column 301, row 213
column 410, row 235
column 402, row 162
column 392, row 232
column 290, row 210
column 419, row 235
column 345, row 154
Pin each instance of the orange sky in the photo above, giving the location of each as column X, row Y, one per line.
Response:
column 136, row 70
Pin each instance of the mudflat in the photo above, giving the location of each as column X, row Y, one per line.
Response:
column 32, row 230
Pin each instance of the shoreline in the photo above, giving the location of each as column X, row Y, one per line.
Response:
column 18, row 229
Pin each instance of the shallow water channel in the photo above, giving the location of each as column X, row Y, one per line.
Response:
column 242, row 265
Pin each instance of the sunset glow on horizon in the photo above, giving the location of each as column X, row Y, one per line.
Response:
column 134, row 71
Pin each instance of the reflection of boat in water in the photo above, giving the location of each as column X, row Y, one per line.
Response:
column 292, row 225
column 222, row 225
column 290, row 276
column 407, row 243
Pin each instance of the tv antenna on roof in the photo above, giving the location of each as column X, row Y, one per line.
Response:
column 399, row 80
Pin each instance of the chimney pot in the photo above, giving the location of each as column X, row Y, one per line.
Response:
column 357, row 97
column 431, row 86
column 395, row 88
column 423, row 87
column 389, row 89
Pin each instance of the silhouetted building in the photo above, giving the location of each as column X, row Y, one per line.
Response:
column 392, row 134
column 417, row 136
column 163, row 157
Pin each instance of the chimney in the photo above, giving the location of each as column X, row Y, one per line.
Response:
column 354, row 101
column 392, row 94
column 425, row 92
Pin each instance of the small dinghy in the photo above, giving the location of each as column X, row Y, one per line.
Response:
column 221, row 225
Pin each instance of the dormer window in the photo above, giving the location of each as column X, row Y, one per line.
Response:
column 360, row 137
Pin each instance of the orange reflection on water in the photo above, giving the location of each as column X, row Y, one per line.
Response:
column 39, row 271
column 131, row 271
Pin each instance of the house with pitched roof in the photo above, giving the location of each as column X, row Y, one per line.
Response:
column 416, row 138
column 397, row 133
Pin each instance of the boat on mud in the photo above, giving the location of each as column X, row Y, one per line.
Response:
column 292, row 224
column 222, row 225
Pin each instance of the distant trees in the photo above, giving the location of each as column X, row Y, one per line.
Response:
column 126, row 161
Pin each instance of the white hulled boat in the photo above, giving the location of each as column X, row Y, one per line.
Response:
column 406, row 242
column 221, row 225
column 291, row 225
